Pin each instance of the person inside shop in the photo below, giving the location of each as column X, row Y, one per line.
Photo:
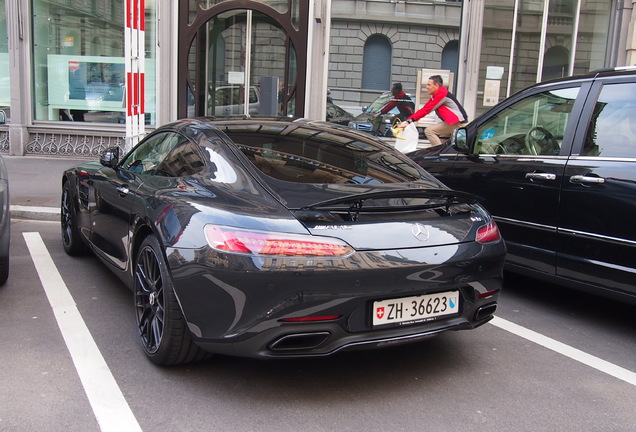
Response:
column 447, row 108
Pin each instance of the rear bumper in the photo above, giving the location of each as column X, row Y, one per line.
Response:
column 235, row 304
column 327, row 339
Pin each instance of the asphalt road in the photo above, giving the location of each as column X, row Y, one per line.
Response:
column 494, row 378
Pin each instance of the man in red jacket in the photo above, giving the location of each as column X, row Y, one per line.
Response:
column 447, row 108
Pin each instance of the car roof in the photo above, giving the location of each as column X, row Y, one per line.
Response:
column 595, row 74
column 624, row 71
column 275, row 123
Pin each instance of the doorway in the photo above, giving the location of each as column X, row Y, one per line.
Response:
column 242, row 58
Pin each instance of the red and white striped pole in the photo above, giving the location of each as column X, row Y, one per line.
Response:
column 134, row 54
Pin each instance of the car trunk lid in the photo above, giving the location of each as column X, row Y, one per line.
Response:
column 385, row 216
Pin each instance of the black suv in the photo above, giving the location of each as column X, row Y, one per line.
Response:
column 556, row 166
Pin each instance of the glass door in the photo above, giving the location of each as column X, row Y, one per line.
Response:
column 242, row 63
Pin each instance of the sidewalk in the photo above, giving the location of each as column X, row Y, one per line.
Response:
column 35, row 185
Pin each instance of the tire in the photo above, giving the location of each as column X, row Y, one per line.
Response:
column 71, row 239
column 163, row 332
column 4, row 269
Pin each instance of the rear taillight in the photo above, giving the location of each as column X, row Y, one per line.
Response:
column 311, row 318
column 267, row 243
column 488, row 233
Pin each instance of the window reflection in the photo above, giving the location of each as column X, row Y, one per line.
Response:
column 325, row 157
column 612, row 129
column 222, row 171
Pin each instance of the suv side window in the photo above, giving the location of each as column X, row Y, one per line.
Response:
column 534, row 125
column 613, row 125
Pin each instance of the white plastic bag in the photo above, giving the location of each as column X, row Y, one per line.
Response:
column 406, row 139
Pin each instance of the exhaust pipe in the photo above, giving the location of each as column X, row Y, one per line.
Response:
column 299, row 341
column 485, row 311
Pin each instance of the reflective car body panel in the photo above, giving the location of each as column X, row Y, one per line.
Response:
column 364, row 121
column 338, row 115
column 403, row 233
column 565, row 210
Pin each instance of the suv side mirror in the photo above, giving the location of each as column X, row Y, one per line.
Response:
column 459, row 140
column 110, row 157
column 3, row 117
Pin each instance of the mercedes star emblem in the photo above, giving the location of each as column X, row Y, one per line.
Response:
column 420, row 232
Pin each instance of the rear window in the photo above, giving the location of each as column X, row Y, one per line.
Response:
column 305, row 155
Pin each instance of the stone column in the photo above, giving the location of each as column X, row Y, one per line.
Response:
column 470, row 55
column 630, row 47
column 318, row 59
column 18, row 29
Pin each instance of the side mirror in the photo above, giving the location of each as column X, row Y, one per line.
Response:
column 459, row 140
column 3, row 117
column 110, row 157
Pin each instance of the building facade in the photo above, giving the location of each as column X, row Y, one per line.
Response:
column 64, row 78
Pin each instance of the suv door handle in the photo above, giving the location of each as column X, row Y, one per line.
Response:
column 123, row 191
column 583, row 179
column 540, row 176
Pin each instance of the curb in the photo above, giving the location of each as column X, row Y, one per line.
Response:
column 35, row 213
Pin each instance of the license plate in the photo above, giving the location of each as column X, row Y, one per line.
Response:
column 410, row 310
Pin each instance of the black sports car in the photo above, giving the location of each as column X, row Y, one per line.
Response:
column 281, row 238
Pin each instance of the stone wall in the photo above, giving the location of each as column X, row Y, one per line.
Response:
column 413, row 47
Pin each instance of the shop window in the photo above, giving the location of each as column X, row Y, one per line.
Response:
column 376, row 63
column 5, row 96
column 78, row 61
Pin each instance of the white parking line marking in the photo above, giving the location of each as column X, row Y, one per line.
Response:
column 106, row 399
column 566, row 350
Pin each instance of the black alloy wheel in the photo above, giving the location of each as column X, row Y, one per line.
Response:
column 163, row 332
column 71, row 240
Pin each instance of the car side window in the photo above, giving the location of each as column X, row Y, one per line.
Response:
column 612, row 128
column 147, row 156
column 534, row 125
column 222, row 96
column 253, row 97
column 184, row 160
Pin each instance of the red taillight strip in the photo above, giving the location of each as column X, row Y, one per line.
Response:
column 488, row 233
column 311, row 318
column 267, row 243
column 487, row 294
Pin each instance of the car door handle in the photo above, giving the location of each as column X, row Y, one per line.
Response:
column 123, row 190
column 540, row 176
column 583, row 179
